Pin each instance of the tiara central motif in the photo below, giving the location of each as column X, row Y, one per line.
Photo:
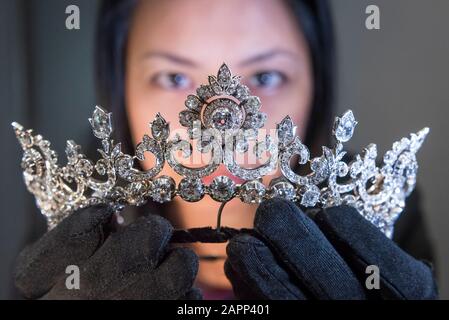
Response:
column 223, row 118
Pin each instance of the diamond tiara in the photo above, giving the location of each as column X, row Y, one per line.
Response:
column 223, row 119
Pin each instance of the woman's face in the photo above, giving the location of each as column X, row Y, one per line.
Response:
column 174, row 45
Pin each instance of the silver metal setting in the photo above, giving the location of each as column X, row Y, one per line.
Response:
column 221, row 112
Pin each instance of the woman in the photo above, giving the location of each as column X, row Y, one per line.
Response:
column 150, row 56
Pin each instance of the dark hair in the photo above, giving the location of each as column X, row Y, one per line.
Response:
column 313, row 17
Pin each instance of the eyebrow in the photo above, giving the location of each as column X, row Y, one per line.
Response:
column 190, row 63
column 170, row 57
column 266, row 56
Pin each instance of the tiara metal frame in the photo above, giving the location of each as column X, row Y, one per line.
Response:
column 222, row 118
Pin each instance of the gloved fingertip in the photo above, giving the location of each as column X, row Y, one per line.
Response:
column 346, row 221
column 157, row 224
column 240, row 245
column 85, row 221
column 271, row 206
column 146, row 239
column 158, row 233
column 276, row 216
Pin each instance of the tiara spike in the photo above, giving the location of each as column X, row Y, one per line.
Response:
column 223, row 119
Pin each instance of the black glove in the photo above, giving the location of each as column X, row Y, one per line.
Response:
column 132, row 263
column 292, row 257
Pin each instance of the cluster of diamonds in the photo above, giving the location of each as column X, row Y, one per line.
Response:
column 223, row 117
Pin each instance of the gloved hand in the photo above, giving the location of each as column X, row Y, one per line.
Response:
column 132, row 263
column 292, row 256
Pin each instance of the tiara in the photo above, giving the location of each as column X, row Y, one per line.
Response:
column 223, row 119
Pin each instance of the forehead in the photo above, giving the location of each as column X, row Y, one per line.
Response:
column 211, row 31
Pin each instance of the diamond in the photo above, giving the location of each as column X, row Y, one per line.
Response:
column 25, row 138
column 232, row 86
column 252, row 192
column 207, row 140
column 187, row 117
column 344, row 126
column 193, row 103
column 163, row 189
column 418, row 139
column 72, row 151
column 223, row 114
column 224, row 75
column 84, row 167
column 326, row 198
column 222, row 189
column 342, row 169
column 32, row 162
column 101, row 123
column 137, row 189
column 241, row 145
column 355, row 167
column 195, row 130
column 215, row 86
column 116, row 151
column 321, row 167
column 284, row 190
column 349, row 199
column 135, row 193
column 286, row 131
column 159, row 128
column 255, row 120
column 241, row 92
column 191, row 189
column 222, row 119
column 101, row 166
column 263, row 146
column 310, row 196
column 252, row 104
column 205, row 92
column 123, row 165
column 389, row 157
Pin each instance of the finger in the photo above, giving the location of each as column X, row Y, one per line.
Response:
column 132, row 250
column 362, row 244
column 173, row 279
column 255, row 273
column 305, row 251
column 73, row 241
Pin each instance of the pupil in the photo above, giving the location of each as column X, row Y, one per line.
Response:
column 265, row 78
column 178, row 79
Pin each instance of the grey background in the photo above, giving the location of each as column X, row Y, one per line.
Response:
column 396, row 80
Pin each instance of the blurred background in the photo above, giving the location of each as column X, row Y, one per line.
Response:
column 396, row 80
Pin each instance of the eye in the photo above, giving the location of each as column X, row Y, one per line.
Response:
column 172, row 81
column 267, row 80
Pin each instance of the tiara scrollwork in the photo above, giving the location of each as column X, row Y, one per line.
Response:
column 223, row 118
